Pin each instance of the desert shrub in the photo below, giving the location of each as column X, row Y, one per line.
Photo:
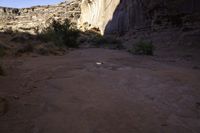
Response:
column 25, row 48
column 97, row 40
column 106, row 41
column 42, row 51
column 62, row 34
column 143, row 48
column 100, row 40
column 8, row 31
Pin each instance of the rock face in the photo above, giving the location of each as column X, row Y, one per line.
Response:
column 34, row 19
column 97, row 13
column 109, row 16
column 120, row 16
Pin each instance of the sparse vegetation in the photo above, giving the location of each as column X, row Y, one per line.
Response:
column 105, row 41
column 9, row 31
column 143, row 48
column 62, row 34
column 42, row 51
column 25, row 48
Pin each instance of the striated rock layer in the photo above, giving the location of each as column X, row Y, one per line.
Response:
column 109, row 16
column 97, row 13
column 112, row 16
column 34, row 19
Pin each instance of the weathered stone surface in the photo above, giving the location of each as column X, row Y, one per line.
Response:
column 34, row 19
column 97, row 13
column 109, row 16
column 122, row 15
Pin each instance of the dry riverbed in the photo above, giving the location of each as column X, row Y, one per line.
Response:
column 100, row 91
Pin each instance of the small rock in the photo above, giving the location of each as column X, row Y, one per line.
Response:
column 34, row 86
column 99, row 63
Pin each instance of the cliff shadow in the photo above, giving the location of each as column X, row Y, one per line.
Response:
column 140, row 15
column 47, row 43
column 127, row 15
column 20, row 43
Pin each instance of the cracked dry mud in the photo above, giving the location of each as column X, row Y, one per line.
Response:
column 121, row 94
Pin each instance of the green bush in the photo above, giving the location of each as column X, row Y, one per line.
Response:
column 62, row 34
column 106, row 41
column 26, row 48
column 98, row 40
column 143, row 48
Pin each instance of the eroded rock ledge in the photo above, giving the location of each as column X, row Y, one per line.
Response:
column 34, row 19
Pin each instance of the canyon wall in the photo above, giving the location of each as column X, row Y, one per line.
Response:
column 163, row 22
column 97, row 13
column 109, row 16
column 119, row 16
column 36, row 18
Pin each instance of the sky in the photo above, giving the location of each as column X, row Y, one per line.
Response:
column 27, row 3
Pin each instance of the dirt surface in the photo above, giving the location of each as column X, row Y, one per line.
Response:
column 101, row 91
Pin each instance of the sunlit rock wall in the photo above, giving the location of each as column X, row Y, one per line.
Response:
column 97, row 13
column 34, row 19
column 109, row 16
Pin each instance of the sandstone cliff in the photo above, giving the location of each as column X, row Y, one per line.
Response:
column 97, row 13
column 109, row 16
column 34, row 19
column 112, row 16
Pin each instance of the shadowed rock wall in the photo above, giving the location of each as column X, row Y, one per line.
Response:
column 118, row 16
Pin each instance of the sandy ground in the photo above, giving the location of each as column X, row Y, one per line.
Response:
column 124, row 94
